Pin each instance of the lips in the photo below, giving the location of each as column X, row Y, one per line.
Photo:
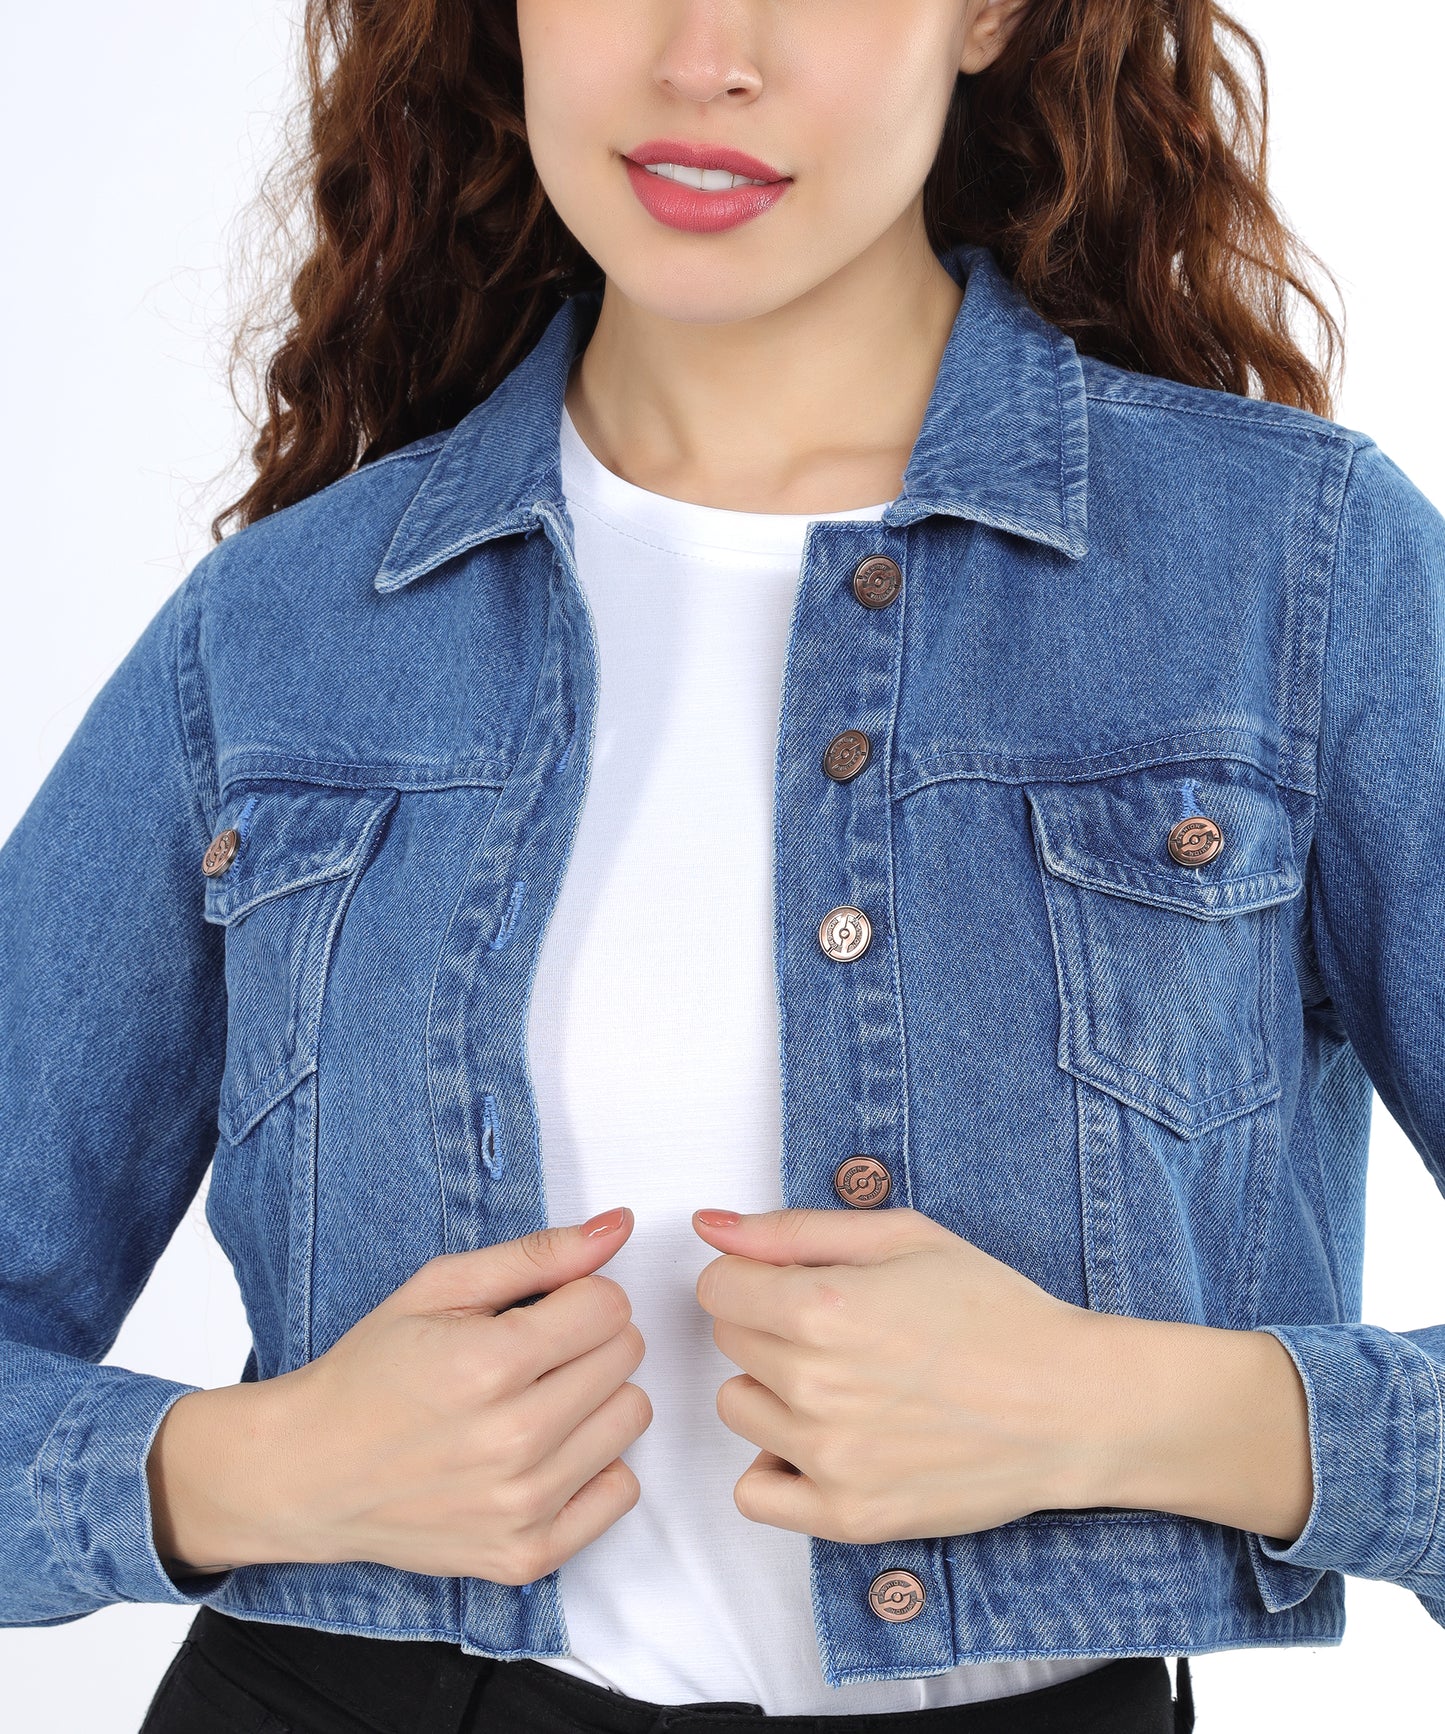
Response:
column 678, row 206
column 703, row 156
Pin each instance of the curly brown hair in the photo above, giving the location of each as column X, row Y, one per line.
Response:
column 1113, row 158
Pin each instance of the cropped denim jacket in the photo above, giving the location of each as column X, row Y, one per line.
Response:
column 1151, row 839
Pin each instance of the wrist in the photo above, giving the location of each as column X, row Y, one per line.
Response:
column 1199, row 1420
column 1097, row 1436
column 215, row 1472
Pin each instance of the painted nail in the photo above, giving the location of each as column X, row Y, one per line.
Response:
column 717, row 1218
column 607, row 1223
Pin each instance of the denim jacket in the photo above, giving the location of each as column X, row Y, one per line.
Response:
column 1150, row 841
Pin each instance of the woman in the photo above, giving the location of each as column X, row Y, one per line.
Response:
column 999, row 693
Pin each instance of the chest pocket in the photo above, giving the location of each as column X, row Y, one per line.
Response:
column 281, row 899
column 1168, row 971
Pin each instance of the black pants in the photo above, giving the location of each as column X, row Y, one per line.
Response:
column 233, row 1676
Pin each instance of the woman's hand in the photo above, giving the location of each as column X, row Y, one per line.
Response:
column 449, row 1431
column 900, row 1381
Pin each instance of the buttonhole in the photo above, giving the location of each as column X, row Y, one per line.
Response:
column 561, row 764
column 489, row 1134
column 509, row 920
column 1188, row 804
column 243, row 818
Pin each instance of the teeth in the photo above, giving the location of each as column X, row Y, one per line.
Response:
column 705, row 180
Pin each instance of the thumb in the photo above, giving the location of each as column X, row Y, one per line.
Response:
column 800, row 1236
column 488, row 1279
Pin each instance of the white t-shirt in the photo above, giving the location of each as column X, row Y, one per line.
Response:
column 653, row 1047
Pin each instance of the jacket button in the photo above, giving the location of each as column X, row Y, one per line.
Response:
column 877, row 580
column 217, row 857
column 844, row 933
column 896, row 1595
column 846, row 755
column 1195, row 840
column 862, row 1181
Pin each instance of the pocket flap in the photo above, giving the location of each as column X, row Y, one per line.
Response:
column 1111, row 833
column 291, row 835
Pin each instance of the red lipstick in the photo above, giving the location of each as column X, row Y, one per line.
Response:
column 692, row 208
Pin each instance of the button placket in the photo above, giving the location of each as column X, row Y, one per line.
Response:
column 844, row 1076
column 842, row 657
column 484, row 1108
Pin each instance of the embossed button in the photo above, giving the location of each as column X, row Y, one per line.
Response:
column 846, row 755
column 844, row 933
column 217, row 857
column 877, row 580
column 897, row 1595
column 1195, row 840
column 862, row 1181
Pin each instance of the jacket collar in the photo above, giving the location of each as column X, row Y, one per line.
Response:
column 1004, row 439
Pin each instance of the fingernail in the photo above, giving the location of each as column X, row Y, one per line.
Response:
column 607, row 1223
column 717, row 1218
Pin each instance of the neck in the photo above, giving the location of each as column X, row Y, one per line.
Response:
column 812, row 406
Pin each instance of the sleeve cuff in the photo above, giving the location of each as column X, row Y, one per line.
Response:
column 1375, row 1451
column 95, row 1495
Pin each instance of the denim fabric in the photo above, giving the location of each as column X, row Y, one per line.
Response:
column 1146, row 1085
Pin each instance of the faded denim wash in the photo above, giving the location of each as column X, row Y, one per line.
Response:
column 1145, row 1085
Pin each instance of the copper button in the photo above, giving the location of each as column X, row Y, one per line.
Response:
column 846, row 755
column 862, row 1181
column 877, row 580
column 1195, row 840
column 896, row 1595
column 844, row 933
column 223, row 846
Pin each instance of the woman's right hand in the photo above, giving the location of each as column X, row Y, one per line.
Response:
column 449, row 1431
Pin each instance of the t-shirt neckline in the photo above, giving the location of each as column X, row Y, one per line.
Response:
column 682, row 524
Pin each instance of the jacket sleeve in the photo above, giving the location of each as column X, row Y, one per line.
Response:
column 112, row 1029
column 1376, row 875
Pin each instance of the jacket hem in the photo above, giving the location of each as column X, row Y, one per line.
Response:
column 1078, row 1584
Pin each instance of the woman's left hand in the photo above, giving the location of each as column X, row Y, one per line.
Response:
column 900, row 1381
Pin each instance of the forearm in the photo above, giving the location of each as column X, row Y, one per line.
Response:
column 215, row 1477
column 1205, row 1422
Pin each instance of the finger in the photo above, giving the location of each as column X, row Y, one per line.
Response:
column 764, row 1297
column 829, row 1236
column 591, row 1511
column 761, row 1417
column 554, row 1405
column 562, row 1325
column 772, row 1360
column 772, row 1490
column 593, row 1443
column 486, row 1279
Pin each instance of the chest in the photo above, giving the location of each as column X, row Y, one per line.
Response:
column 1003, row 997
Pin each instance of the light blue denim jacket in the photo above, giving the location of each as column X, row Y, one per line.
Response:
column 1143, row 1081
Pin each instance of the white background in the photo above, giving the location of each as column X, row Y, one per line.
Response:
column 133, row 139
